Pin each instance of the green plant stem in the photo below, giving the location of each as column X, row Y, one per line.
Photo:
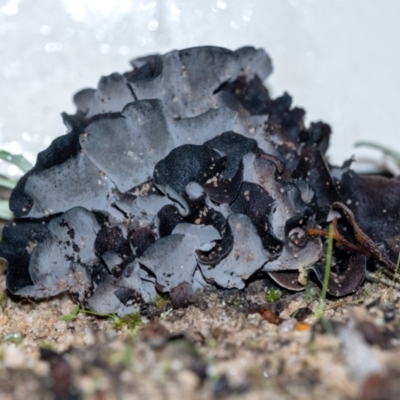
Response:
column 385, row 150
column 73, row 314
column 327, row 273
column 5, row 212
column 7, row 182
column 17, row 159
column 395, row 277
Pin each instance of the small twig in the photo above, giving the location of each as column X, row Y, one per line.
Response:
column 369, row 276
column 364, row 244
column 344, row 303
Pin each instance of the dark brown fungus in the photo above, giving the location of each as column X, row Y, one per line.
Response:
column 347, row 273
column 182, row 173
column 287, row 279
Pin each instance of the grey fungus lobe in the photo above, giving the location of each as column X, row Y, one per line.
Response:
column 246, row 257
column 76, row 182
column 198, row 129
column 132, row 140
column 112, row 94
column 172, row 260
column 206, row 234
column 182, row 173
column 70, row 240
column 295, row 258
column 186, row 80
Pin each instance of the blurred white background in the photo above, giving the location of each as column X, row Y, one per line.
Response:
column 339, row 59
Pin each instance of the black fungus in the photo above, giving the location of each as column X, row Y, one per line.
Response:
column 184, row 172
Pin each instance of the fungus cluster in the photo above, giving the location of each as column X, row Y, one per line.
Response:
column 184, row 172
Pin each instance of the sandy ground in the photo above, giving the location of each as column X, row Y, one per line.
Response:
column 229, row 347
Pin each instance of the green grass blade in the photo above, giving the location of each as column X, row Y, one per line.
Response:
column 7, row 182
column 395, row 277
column 5, row 212
column 17, row 159
column 384, row 149
column 327, row 273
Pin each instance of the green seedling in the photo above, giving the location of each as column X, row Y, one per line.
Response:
column 273, row 295
column 72, row 315
column 131, row 321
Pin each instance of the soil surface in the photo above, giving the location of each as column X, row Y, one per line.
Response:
column 232, row 344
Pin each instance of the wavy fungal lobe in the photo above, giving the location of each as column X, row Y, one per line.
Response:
column 184, row 172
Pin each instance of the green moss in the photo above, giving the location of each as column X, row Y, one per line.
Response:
column 162, row 300
column 131, row 321
column 273, row 295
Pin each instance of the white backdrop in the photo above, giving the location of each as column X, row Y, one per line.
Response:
column 339, row 59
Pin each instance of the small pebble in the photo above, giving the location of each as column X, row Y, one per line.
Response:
column 288, row 325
